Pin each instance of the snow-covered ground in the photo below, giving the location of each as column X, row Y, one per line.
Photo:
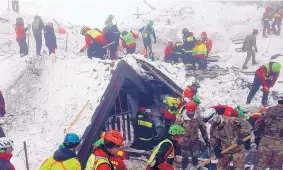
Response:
column 44, row 97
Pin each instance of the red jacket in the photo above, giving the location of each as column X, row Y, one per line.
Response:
column 263, row 74
column 20, row 32
column 5, row 162
column 225, row 110
column 2, row 105
column 208, row 44
column 130, row 45
column 99, row 39
column 168, row 50
column 100, row 152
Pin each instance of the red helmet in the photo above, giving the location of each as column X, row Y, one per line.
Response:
column 191, row 106
column 255, row 31
column 114, row 136
column 203, row 34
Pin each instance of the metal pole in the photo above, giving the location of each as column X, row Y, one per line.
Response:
column 26, row 155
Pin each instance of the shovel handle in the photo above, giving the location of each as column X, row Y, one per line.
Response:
column 224, row 151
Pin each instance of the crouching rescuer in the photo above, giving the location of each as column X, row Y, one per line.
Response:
column 224, row 132
column 163, row 155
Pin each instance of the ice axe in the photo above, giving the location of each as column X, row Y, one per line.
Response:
column 223, row 152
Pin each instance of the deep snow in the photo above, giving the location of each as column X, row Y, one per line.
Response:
column 44, row 97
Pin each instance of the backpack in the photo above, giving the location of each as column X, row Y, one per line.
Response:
column 36, row 25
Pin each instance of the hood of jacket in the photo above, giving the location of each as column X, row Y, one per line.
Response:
column 63, row 154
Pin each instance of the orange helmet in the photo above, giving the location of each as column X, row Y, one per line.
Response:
column 114, row 136
column 191, row 106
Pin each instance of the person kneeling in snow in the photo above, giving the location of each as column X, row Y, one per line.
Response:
column 50, row 38
column 6, row 149
column 94, row 42
column 173, row 53
column 228, row 111
column 65, row 157
column 200, row 54
column 163, row 155
column 128, row 41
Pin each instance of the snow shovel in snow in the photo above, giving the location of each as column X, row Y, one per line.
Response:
column 224, row 151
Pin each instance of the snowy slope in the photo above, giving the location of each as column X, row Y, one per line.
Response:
column 44, row 97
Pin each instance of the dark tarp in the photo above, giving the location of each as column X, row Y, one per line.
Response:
column 140, row 90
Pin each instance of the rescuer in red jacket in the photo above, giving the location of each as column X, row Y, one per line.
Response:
column 228, row 111
column 206, row 41
column 21, row 36
column 265, row 76
column 128, row 41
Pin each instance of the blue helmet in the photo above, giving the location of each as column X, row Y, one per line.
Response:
column 71, row 140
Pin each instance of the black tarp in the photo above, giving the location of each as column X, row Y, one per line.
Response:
column 139, row 90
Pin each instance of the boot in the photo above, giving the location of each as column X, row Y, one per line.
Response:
column 245, row 67
column 254, row 63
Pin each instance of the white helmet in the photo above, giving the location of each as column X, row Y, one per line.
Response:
column 5, row 143
column 210, row 114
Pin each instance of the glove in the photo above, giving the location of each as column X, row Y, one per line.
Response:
column 265, row 88
column 217, row 152
column 240, row 141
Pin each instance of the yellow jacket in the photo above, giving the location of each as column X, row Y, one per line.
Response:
column 200, row 51
column 67, row 161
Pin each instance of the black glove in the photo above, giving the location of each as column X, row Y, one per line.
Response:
column 217, row 152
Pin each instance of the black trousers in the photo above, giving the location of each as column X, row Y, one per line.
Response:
column 38, row 42
column 15, row 6
column 23, row 47
column 266, row 27
column 131, row 50
column 96, row 50
column 255, row 87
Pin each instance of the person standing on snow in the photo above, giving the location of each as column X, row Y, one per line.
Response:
column 189, row 42
column 265, row 22
column 65, row 157
column 168, row 51
column 50, row 38
column 21, row 36
column 2, row 106
column 100, row 158
column 6, row 149
column 200, row 54
column 207, row 42
column 192, row 122
column 224, row 132
column 15, row 6
column 128, row 41
column 37, row 27
column 277, row 20
column 112, row 36
column 94, row 42
column 270, row 149
column 249, row 43
column 163, row 155
column 266, row 76
column 147, row 34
